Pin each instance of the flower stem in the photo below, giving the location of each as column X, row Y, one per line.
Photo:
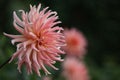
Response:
column 1, row 66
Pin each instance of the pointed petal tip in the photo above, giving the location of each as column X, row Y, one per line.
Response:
column 4, row 33
column 19, row 70
column 62, row 60
column 39, row 74
column 47, row 73
column 14, row 14
column 10, row 60
column 57, row 69
column 12, row 41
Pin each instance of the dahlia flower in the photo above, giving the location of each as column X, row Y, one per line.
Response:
column 76, row 43
column 74, row 69
column 39, row 41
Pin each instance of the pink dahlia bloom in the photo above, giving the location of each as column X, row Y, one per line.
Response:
column 40, row 40
column 76, row 43
column 74, row 69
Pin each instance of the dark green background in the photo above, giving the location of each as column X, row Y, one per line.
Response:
column 99, row 20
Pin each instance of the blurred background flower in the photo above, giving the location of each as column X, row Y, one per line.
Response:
column 98, row 20
column 73, row 69
column 46, row 78
column 76, row 43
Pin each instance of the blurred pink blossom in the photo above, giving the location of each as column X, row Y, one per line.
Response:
column 46, row 78
column 76, row 42
column 74, row 69
column 40, row 40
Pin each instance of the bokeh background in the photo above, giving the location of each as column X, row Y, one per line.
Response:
column 99, row 20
